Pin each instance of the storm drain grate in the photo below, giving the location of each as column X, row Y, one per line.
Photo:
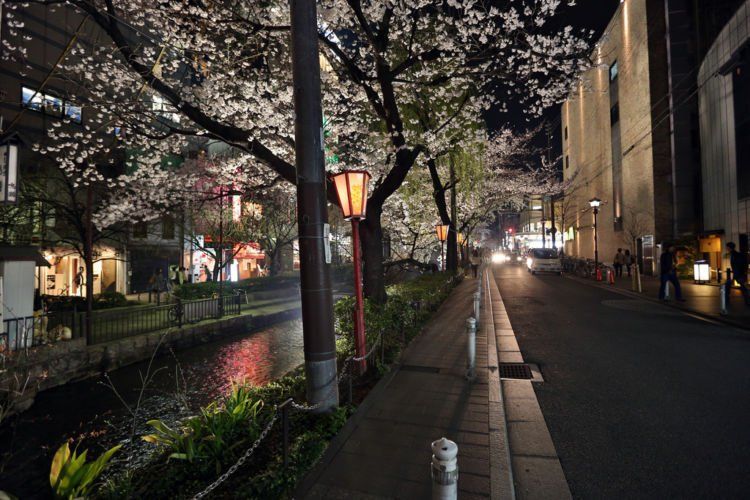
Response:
column 416, row 368
column 515, row 371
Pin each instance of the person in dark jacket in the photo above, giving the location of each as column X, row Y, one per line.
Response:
column 668, row 274
column 738, row 263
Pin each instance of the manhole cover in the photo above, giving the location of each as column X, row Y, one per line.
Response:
column 516, row 371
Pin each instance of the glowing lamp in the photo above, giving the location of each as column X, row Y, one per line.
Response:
column 701, row 271
column 351, row 189
column 595, row 202
column 442, row 231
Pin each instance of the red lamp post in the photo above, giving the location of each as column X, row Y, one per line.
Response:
column 351, row 188
column 442, row 234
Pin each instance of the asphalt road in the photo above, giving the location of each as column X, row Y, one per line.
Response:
column 641, row 400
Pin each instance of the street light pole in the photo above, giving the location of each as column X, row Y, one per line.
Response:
column 595, row 203
column 359, row 313
column 312, row 215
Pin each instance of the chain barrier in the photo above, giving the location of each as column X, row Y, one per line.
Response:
column 293, row 404
column 241, row 460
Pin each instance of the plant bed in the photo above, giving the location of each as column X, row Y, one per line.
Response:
column 190, row 455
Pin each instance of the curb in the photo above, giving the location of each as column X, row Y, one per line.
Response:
column 691, row 312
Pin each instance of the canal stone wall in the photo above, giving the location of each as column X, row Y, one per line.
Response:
column 29, row 372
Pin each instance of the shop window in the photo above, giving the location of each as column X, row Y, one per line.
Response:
column 167, row 227
column 140, row 230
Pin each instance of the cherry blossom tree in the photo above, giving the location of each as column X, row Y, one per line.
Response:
column 165, row 76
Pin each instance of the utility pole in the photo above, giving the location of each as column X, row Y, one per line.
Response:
column 88, row 250
column 553, row 228
column 312, row 213
column 453, row 232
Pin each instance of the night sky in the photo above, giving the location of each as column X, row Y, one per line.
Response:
column 586, row 14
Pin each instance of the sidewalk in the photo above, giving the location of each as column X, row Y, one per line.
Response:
column 699, row 299
column 384, row 449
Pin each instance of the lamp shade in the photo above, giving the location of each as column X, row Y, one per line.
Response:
column 442, row 231
column 9, row 171
column 460, row 238
column 351, row 189
column 595, row 202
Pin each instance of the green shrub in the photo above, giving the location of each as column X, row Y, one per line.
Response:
column 70, row 476
column 214, row 434
column 105, row 300
column 206, row 289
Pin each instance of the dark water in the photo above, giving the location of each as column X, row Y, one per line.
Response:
column 94, row 413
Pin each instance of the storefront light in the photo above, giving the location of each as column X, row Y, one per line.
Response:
column 9, row 170
column 701, row 271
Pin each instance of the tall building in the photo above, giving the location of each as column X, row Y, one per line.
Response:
column 630, row 131
column 724, row 90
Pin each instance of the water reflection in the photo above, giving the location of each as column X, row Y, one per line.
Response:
column 99, row 413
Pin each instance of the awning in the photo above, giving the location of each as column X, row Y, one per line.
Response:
column 23, row 253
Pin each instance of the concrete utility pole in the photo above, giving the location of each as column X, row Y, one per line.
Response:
column 312, row 214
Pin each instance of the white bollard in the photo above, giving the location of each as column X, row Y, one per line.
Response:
column 477, row 305
column 471, row 351
column 444, row 470
column 723, row 298
column 666, row 290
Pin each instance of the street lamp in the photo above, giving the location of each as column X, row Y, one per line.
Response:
column 442, row 235
column 9, row 169
column 351, row 189
column 595, row 203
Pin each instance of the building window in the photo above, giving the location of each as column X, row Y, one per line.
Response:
column 140, row 230
column 613, row 72
column 50, row 105
column 566, row 133
column 567, row 161
column 614, row 114
column 167, row 227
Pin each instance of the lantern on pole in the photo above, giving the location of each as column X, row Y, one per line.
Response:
column 351, row 189
column 9, row 169
column 442, row 234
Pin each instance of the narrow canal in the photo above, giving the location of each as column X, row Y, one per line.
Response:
column 94, row 413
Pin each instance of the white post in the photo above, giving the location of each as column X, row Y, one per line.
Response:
column 723, row 297
column 444, row 470
column 471, row 356
column 666, row 290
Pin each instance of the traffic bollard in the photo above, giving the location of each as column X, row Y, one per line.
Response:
column 444, row 470
column 471, row 354
column 666, row 290
column 723, row 298
column 477, row 305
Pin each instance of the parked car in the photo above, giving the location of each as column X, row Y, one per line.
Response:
column 545, row 260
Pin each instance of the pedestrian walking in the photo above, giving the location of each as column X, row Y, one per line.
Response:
column 629, row 261
column 668, row 274
column 156, row 285
column 618, row 262
column 79, row 282
column 475, row 260
column 738, row 263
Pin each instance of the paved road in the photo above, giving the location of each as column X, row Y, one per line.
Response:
column 641, row 400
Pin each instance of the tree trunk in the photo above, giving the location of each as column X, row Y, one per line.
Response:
column 373, row 276
column 276, row 262
column 451, row 260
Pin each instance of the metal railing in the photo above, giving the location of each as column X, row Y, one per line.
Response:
column 114, row 325
column 40, row 329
